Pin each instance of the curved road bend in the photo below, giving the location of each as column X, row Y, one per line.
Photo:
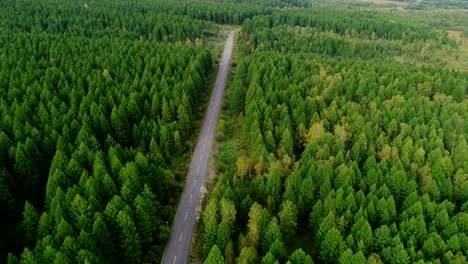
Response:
column 178, row 247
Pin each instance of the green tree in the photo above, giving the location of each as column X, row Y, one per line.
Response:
column 223, row 236
column 30, row 223
column 300, row 257
column 256, row 219
column 215, row 256
column 229, row 252
column 129, row 241
column 209, row 235
column 146, row 207
column 332, row 246
column 459, row 93
column 272, row 233
column 287, row 142
column 102, row 236
column 63, row 230
column 269, row 259
column 228, row 212
column 236, row 95
column 28, row 257
column 362, row 232
column 248, row 255
column 278, row 249
column 288, row 219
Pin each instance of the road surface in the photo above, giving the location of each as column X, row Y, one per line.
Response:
column 178, row 247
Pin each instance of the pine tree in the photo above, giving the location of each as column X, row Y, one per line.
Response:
column 288, row 219
column 102, row 236
column 30, row 223
column 332, row 246
column 228, row 212
column 223, row 236
column 209, row 236
column 129, row 240
column 300, row 257
column 272, row 233
column 215, row 256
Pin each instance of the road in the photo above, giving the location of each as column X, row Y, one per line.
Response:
column 178, row 247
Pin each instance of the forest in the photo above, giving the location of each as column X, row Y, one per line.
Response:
column 343, row 137
column 96, row 107
column 333, row 151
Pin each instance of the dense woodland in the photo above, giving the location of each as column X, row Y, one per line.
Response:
column 343, row 155
column 95, row 105
column 330, row 149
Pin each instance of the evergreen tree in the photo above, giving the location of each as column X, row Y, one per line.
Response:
column 129, row 241
column 215, row 256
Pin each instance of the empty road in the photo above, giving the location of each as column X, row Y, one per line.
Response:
column 178, row 247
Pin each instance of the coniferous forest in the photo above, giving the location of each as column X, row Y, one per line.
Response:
column 97, row 99
column 332, row 150
column 343, row 136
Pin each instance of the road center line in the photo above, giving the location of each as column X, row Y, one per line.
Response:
column 180, row 237
column 186, row 214
column 191, row 197
column 173, row 262
column 194, row 182
column 198, row 169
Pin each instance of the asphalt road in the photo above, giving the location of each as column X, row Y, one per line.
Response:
column 178, row 247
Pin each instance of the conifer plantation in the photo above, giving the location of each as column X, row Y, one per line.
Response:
column 343, row 136
column 333, row 151
column 97, row 100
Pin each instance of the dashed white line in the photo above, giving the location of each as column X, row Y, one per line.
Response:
column 194, row 182
column 180, row 237
column 173, row 262
column 186, row 214
column 198, row 169
column 190, row 198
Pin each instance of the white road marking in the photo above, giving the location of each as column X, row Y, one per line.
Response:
column 198, row 169
column 204, row 146
column 201, row 157
column 186, row 214
column 206, row 137
column 173, row 262
column 190, row 198
column 180, row 237
column 194, row 182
